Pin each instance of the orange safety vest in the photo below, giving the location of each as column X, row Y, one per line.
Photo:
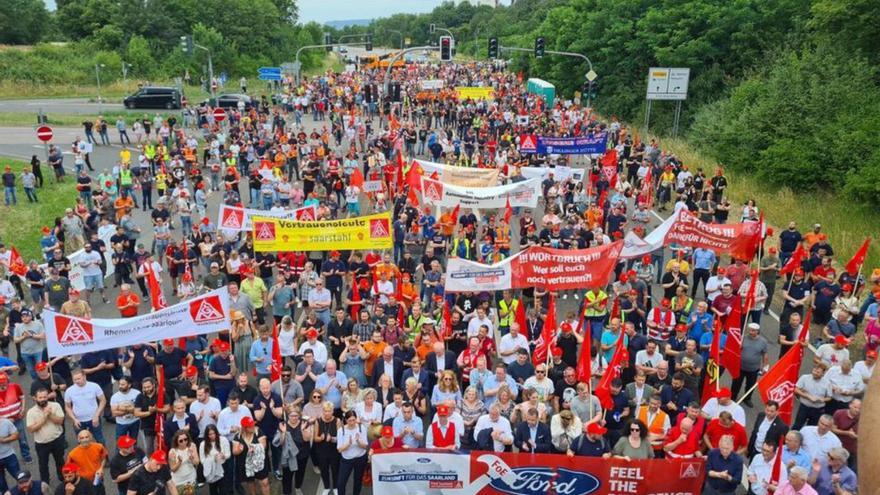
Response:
column 656, row 426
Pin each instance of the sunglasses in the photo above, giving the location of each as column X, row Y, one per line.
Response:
column 635, row 429
column 316, row 396
column 285, row 375
column 540, row 371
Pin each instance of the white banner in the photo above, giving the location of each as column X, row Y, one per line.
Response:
column 635, row 247
column 460, row 176
column 373, row 186
column 67, row 335
column 435, row 473
column 235, row 219
column 427, row 84
column 560, row 173
column 523, row 194
column 76, row 272
column 469, row 276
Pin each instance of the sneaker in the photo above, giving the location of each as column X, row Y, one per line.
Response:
column 565, row 296
column 316, row 470
column 576, row 297
column 278, row 475
column 200, row 484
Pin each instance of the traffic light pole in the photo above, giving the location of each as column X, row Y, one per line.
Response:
column 397, row 57
column 299, row 70
column 210, row 69
column 551, row 52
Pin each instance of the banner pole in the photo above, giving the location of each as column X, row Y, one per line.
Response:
column 746, row 394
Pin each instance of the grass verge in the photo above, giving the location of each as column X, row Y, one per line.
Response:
column 22, row 222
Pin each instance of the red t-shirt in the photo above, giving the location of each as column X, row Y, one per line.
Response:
column 376, row 446
column 123, row 300
column 11, row 402
column 716, row 430
column 687, row 448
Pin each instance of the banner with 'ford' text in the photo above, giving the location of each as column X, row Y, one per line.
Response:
column 483, row 473
column 67, row 335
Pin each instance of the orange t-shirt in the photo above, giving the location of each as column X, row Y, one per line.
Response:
column 374, row 350
column 88, row 459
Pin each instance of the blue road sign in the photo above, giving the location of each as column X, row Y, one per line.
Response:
column 269, row 73
column 269, row 70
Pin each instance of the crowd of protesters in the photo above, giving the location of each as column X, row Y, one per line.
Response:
column 368, row 361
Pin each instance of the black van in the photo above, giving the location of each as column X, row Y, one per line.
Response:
column 153, row 97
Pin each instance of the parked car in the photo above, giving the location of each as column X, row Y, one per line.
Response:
column 154, row 97
column 230, row 100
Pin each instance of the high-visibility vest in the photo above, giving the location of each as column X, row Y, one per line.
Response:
column 656, row 425
column 125, row 177
column 591, row 297
column 511, row 312
column 467, row 247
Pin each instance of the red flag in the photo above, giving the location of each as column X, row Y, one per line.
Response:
column 414, row 176
column 731, row 359
column 16, row 263
column 710, row 384
column 610, row 158
column 187, row 271
column 157, row 299
column 779, row 382
column 749, row 303
column 603, row 390
column 447, row 319
column 855, row 263
column 455, row 213
column 401, row 315
column 545, row 341
column 615, row 308
column 277, row 361
column 398, row 179
column 793, row 263
column 584, row 364
column 355, row 305
column 520, row 316
column 777, row 465
column 357, row 178
column 160, row 403
column 508, row 211
column 411, row 195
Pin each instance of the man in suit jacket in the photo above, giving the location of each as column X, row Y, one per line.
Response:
column 522, row 437
column 447, row 358
column 638, row 391
column 417, row 371
column 388, row 363
column 771, row 424
column 179, row 420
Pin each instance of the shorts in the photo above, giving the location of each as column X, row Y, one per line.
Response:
column 93, row 282
column 354, row 208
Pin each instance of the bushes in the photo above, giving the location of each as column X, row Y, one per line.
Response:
column 809, row 120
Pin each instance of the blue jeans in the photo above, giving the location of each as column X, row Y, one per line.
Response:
column 31, row 194
column 186, row 223
column 131, row 430
column 31, row 360
column 22, row 439
column 97, row 431
column 9, row 193
column 9, row 463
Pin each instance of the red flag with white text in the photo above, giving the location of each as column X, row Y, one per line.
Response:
column 779, row 382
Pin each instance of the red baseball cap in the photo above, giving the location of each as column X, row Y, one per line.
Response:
column 772, row 250
column 42, row 365
column 223, row 346
column 247, row 422
column 70, row 467
column 724, row 393
column 311, row 333
column 846, row 288
column 596, row 429
column 387, row 431
column 168, row 342
column 871, row 354
column 557, row 351
column 681, row 327
column 841, row 340
column 443, row 410
column 722, row 270
column 159, row 457
column 566, row 327
column 4, row 378
column 125, row 442
column 192, row 371
column 665, row 302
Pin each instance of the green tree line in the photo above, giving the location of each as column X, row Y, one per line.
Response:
column 242, row 36
column 787, row 90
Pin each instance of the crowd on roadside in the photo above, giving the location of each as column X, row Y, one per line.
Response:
column 368, row 361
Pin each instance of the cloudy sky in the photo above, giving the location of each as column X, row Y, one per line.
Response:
column 339, row 10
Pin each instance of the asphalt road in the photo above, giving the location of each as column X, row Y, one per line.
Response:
column 21, row 143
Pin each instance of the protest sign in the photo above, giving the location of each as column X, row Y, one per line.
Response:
column 474, row 93
column 546, row 145
column 238, row 219
column 520, row 194
column 459, row 176
column 366, row 232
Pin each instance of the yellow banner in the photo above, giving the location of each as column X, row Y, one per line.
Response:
column 474, row 93
column 278, row 234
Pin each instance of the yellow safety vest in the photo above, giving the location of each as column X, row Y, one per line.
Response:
column 511, row 312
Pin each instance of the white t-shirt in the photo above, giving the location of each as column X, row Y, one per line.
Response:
column 475, row 324
column 831, row 356
column 209, row 409
column 819, row 445
column 861, row 369
column 713, row 408
column 83, row 400
column 90, row 262
column 127, row 398
column 286, row 342
column 508, row 343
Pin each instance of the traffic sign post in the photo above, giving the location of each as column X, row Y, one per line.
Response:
column 269, row 73
column 44, row 133
column 219, row 114
column 667, row 84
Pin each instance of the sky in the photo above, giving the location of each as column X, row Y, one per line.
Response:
column 340, row 10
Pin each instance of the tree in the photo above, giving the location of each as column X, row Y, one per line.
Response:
column 22, row 22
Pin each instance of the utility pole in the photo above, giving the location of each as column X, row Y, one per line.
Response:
column 98, row 79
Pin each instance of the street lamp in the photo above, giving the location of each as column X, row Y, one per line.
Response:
column 399, row 34
column 125, row 67
column 98, row 78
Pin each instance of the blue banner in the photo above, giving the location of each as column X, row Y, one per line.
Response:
column 583, row 145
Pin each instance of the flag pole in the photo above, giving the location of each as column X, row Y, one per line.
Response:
column 747, row 392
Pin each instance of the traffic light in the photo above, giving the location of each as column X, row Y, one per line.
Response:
column 328, row 41
column 369, row 42
column 539, row 47
column 493, row 48
column 445, row 48
column 186, row 44
column 594, row 89
column 432, row 28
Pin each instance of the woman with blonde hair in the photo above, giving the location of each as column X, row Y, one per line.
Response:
column 385, row 392
column 412, row 392
column 530, row 400
column 324, row 445
column 370, row 413
column 293, row 437
column 471, row 408
column 233, row 266
column 243, row 335
column 446, row 389
column 352, row 396
column 505, row 402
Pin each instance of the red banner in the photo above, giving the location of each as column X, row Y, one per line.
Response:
column 562, row 269
column 740, row 240
column 484, row 473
